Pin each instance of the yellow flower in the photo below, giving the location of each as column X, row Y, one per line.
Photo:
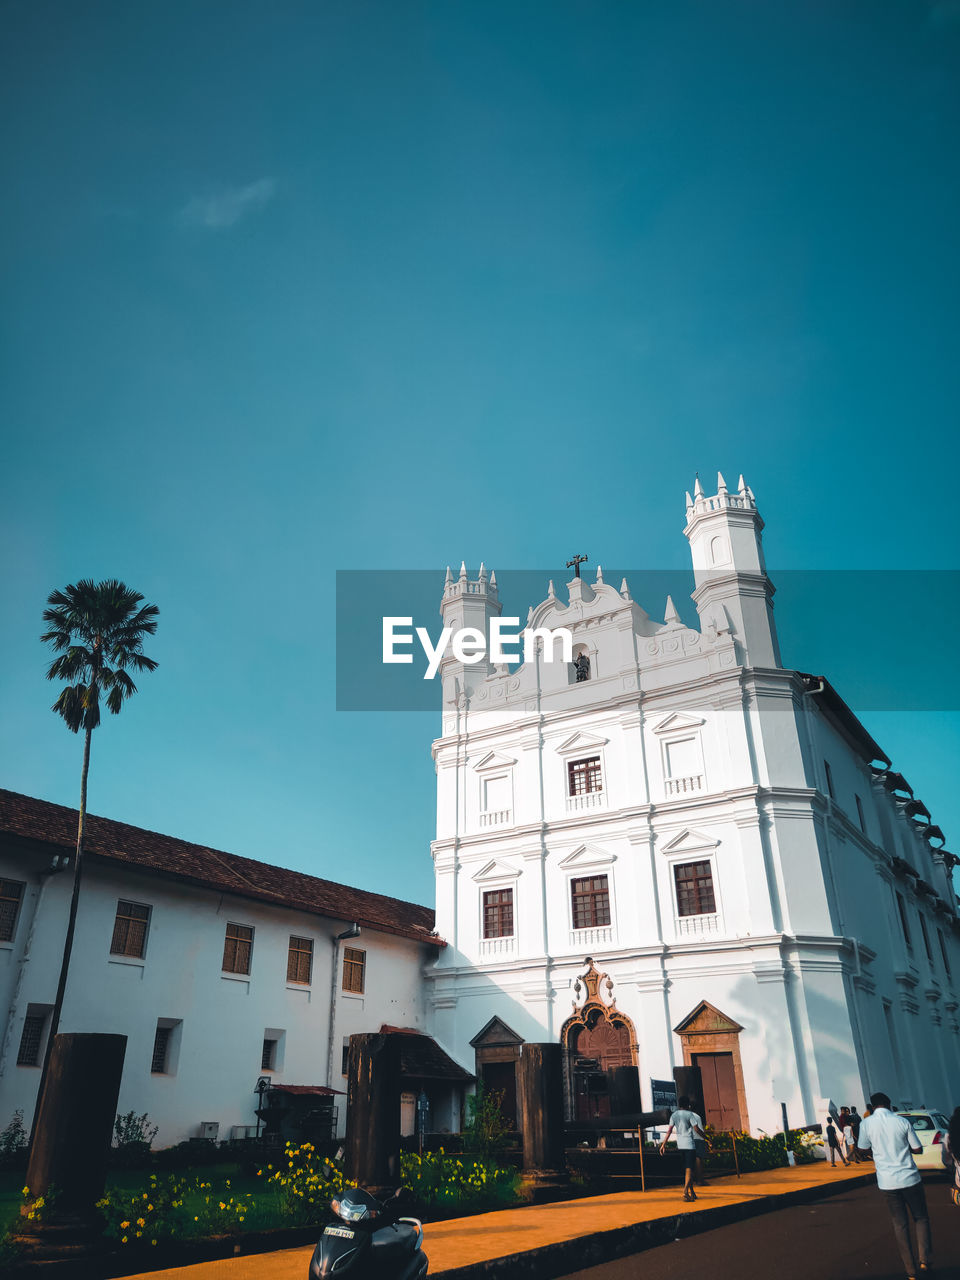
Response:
column 141, row 1222
column 123, row 1239
column 124, row 1225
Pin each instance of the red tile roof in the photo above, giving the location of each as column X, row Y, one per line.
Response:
column 53, row 824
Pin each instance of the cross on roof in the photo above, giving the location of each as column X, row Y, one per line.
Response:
column 575, row 564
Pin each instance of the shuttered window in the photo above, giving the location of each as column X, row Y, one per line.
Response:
column 354, row 970
column 237, row 947
column 300, row 960
column 130, row 930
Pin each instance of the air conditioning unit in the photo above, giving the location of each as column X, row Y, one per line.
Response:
column 210, row 1129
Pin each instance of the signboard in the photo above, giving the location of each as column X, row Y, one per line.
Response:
column 664, row 1093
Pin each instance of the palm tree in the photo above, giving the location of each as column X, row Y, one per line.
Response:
column 97, row 629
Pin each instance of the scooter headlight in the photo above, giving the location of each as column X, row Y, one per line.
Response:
column 350, row 1212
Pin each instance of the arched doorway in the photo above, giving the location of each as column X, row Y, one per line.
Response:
column 600, row 1052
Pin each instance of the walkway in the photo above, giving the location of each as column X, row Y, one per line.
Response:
column 542, row 1234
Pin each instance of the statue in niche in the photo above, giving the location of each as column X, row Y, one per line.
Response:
column 582, row 664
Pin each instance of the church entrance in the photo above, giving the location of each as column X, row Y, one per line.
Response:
column 600, row 1053
column 501, row 1077
column 497, row 1050
column 711, row 1041
column 719, row 1089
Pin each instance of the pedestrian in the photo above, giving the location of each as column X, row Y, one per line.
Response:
column 950, row 1155
column 848, row 1140
column 833, row 1144
column 893, row 1143
column 856, row 1121
column 689, row 1127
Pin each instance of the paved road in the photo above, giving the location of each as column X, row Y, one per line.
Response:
column 843, row 1238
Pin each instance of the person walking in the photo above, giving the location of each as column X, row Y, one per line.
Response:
column 856, row 1121
column 848, row 1144
column 893, row 1143
column 833, row 1144
column 689, row 1127
column 950, row 1155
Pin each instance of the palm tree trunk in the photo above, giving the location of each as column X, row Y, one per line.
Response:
column 68, row 941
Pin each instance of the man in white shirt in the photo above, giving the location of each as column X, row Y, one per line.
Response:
column 893, row 1143
column 689, row 1127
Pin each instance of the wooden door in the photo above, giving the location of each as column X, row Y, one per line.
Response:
column 719, row 1090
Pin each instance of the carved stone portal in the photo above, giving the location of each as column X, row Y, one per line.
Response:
column 711, row 1041
column 600, row 1051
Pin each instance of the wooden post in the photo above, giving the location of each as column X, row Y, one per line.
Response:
column 74, row 1124
column 540, row 1080
column 373, row 1113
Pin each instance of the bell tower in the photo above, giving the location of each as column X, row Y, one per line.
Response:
column 467, row 603
column 732, row 591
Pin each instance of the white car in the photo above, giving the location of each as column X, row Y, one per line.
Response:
column 931, row 1128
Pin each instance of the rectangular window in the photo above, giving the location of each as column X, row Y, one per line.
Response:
column 236, row 948
column 130, row 930
column 590, row 898
column 583, row 776
column 860, row 818
column 926, row 939
column 695, row 896
column 268, row 1057
column 826, row 767
column 496, row 793
column 161, row 1051
column 902, row 908
column 31, row 1039
column 11, row 895
column 300, row 961
column 682, row 758
column 498, row 913
column 345, row 1058
column 354, row 967
column 943, row 952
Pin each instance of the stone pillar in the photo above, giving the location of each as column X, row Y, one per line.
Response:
column 373, row 1113
column 690, row 1082
column 540, row 1098
column 75, row 1122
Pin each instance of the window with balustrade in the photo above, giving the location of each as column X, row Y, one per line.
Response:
column 590, row 902
column 498, row 913
column 584, row 777
column 682, row 765
column 695, row 892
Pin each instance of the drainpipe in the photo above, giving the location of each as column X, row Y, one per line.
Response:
column 352, row 932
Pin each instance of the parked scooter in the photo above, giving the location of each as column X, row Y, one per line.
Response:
column 369, row 1241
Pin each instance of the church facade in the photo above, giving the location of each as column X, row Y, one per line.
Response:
column 673, row 850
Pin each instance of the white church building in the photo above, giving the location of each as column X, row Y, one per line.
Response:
column 716, row 840
column 671, row 850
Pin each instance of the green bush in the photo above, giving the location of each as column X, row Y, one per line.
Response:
column 486, row 1132
column 769, row 1151
column 305, row 1183
column 436, row 1178
column 133, row 1137
column 14, row 1143
column 171, row 1208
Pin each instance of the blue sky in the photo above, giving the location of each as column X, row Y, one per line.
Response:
column 290, row 288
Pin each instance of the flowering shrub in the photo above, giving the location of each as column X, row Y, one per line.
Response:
column 305, row 1183
column 436, row 1178
column 173, row 1208
column 755, row 1154
column 41, row 1208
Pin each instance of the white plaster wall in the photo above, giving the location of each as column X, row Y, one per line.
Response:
column 224, row 1017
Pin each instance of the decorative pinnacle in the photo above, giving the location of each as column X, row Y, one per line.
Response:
column 721, row 483
column 599, row 581
column 624, row 589
column 482, row 577
column 463, row 570
column 670, row 615
column 449, row 578
column 741, row 487
column 697, row 488
column 551, row 594
column 689, row 501
column 493, row 577
column 529, row 614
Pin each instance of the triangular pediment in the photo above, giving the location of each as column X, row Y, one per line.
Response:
column 581, row 742
column 495, row 870
column 496, row 1032
column 587, row 855
column 494, row 760
column 707, row 1020
column 690, row 842
column 677, row 720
